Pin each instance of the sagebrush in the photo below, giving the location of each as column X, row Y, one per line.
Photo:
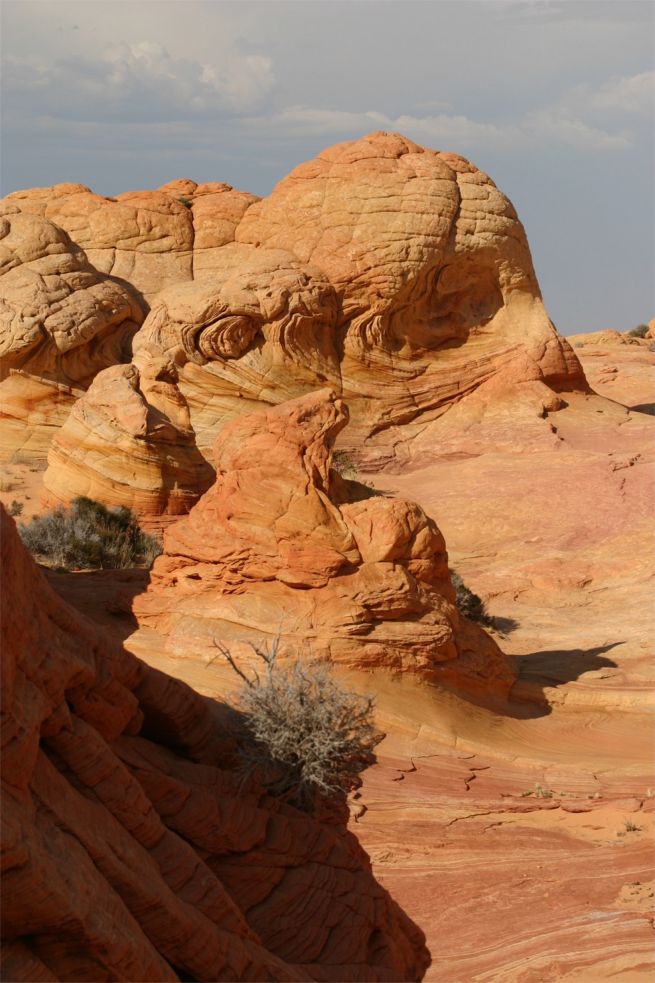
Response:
column 639, row 332
column 87, row 534
column 307, row 738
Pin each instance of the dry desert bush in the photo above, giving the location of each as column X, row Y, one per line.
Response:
column 87, row 534
column 307, row 738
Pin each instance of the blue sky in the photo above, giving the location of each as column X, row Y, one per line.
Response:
column 553, row 99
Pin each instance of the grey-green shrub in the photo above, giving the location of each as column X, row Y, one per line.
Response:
column 307, row 738
column 87, row 534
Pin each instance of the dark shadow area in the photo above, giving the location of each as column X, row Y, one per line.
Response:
column 103, row 596
column 540, row 671
column 504, row 626
column 648, row 408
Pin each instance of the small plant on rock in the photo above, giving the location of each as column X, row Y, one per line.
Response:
column 16, row 508
column 639, row 332
column 87, row 534
column 307, row 738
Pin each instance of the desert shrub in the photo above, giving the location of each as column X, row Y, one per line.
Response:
column 307, row 738
column 16, row 508
column 468, row 603
column 87, row 534
column 185, row 202
column 343, row 464
column 639, row 332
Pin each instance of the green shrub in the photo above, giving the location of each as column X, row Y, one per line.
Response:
column 16, row 508
column 639, row 332
column 307, row 739
column 89, row 535
column 185, row 202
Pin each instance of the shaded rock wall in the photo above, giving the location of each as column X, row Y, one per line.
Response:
column 130, row 851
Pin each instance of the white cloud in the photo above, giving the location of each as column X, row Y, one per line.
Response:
column 139, row 81
column 632, row 95
column 543, row 128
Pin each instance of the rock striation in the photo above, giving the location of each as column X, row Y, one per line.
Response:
column 61, row 322
column 131, row 850
column 281, row 542
column 130, row 442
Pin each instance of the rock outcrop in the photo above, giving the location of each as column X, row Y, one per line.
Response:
column 399, row 276
column 130, row 849
column 145, row 238
column 61, row 322
column 276, row 544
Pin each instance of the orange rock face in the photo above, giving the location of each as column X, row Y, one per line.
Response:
column 275, row 543
column 131, row 851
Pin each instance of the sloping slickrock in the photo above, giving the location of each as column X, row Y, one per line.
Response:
column 130, row 851
column 274, row 543
column 61, row 322
column 619, row 367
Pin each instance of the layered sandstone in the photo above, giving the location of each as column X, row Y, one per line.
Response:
column 147, row 239
column 61, row 322
column 131, row 850
column 399, row 276
column 130, row 442
column 279, row 544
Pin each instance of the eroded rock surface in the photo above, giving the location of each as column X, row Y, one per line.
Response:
column 61, row 322
column 131, row 851
column 275, row 543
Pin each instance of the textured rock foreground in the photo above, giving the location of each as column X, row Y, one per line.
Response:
column 276, row 544
column 129, row 849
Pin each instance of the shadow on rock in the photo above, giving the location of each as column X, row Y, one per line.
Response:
column 540, row 671
column 648, row 408
column 104, row 596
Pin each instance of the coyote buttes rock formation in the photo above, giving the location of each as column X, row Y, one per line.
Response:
column 130, row 850
column 399, row 276
column 61, row 322
column 276, row 543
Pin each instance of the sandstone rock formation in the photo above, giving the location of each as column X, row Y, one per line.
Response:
column 131, row 851
column 397, row 275
column 275, row 544
column 130, row 442
column 61, row 322
column 144, row 238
